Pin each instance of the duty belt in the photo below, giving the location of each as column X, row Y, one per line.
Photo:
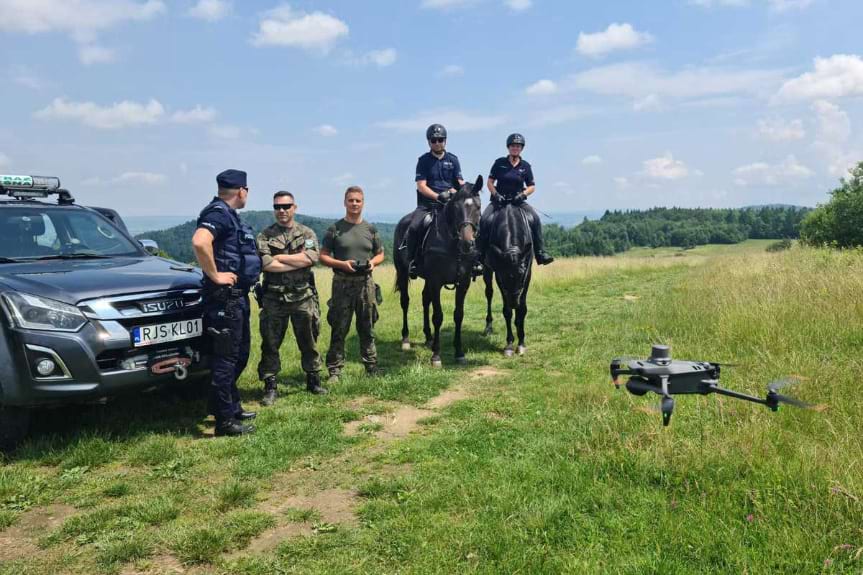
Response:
column 352, row 277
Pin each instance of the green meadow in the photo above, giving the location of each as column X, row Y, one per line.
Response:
column 530, row 464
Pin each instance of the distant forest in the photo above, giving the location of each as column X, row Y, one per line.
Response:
column 619, row 231
column 614, row 232
column 176, row 242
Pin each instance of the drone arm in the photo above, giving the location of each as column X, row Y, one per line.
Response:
column 713, row 388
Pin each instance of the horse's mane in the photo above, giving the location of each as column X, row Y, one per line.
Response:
column 510, row 231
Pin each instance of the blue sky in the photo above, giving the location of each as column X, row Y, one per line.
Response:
column 137, row 104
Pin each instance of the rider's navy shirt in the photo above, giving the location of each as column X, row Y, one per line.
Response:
column 511, row 180
column 218, row 222
column 440, row 174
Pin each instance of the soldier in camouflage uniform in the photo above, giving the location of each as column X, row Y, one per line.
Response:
column 352, row 247
column 288, row 251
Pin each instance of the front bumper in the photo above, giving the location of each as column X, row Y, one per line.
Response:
column 98, row 361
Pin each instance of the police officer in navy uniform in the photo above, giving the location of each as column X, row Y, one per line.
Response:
column 438, row 172
column 226, row 251
column 511, row 177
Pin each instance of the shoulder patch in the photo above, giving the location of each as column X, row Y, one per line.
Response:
column 310, row 243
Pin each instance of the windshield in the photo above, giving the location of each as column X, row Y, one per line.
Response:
column 42, row 232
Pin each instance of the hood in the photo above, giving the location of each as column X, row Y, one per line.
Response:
column 71, row 281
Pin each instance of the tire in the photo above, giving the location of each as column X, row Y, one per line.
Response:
column 14, row 424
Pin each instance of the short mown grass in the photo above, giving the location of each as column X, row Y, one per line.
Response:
column 549, row 470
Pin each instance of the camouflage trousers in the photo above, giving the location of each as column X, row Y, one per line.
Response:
column 305, row 316
column 352, row 295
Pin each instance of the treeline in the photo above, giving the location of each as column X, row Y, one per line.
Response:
column 618, row 231
column 176, row 242
column 839, row 222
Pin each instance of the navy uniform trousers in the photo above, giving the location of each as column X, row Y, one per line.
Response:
column 227, row 322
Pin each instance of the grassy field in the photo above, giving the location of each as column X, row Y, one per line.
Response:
column 533, row 464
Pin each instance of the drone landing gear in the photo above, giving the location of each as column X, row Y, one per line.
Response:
column 667, row 407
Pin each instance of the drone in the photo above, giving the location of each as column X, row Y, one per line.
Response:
column 666, row 377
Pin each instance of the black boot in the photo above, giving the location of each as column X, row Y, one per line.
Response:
column 542, row 257
column 244, row 415
column 232, row 427
column 412, row 270
column 313, row 384
column 269, row 391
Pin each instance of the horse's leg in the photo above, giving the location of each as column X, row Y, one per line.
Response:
column 488, row 278
column 437, row 320
column 426, row 325
column 520, row 314
column 507, row 316
column 404, row 292
column 458, row 316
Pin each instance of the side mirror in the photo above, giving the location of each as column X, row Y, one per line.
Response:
column 151, row 246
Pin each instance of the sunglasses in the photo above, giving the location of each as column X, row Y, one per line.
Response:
column 437, row 140
column 284, row 207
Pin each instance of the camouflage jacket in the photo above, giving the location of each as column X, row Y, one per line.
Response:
column 295, row 285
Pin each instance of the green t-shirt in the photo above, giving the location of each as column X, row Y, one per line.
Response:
column 347, row 241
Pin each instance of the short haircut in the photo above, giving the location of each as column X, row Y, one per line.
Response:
column 282, row 194
column 228, row 192
column 354, row 190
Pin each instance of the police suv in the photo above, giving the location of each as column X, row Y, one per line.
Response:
column 86, row 311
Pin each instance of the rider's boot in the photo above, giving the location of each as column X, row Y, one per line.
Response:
column 542, row 257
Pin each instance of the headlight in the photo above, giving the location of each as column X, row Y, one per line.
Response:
column 34, row 312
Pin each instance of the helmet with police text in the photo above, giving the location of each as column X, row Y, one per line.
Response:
column 435, row 131
column 514, row 139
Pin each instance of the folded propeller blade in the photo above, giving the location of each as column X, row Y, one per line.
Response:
column 792, row 401
column 784, row 382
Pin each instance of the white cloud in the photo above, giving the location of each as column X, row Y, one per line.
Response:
column 343, row 179
column 779, row 130
column 621, row 182
column 785, row 5
column 541, row 88
column 284, row 26
column 451, row 71
column 834, row 77
column 95, row 54
column 788, row 172
column 615, row 37
column 642, row 82
column 665, row 168
column 591, row 160
column 775, row 5
column 5, row 160
column 518, row 5
column 326, row 130
column 381, row 58
column 210, row 10
column 80, row 18
column 24, row 77
column 454, row 120
column 648, row 103
column 148, row 178
column 118, row 115
column 229, row 131
column 832, row 138
column 197, row 115
column 445, row 4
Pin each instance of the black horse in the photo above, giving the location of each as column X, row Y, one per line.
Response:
column 448, row 256
column 509, row 258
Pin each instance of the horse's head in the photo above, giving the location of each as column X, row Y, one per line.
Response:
column 511, row 251
column 462, row 214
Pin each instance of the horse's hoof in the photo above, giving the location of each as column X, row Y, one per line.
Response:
column 522, row 349
column 488, row 330
column 406, row 346
column 507, row 352
column 461, row 360
column 436, row 362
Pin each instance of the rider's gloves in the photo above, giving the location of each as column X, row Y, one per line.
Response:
column 496, row 199
column 519, row 199
column 444, row 197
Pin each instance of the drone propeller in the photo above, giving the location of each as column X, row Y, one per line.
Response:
column 789, row 400
column 784, row 382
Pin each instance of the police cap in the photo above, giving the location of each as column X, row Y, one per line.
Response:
column 231, row 179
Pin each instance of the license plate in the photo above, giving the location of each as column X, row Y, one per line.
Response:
column 165, row 332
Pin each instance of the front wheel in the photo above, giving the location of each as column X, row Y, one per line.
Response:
column 14, row 425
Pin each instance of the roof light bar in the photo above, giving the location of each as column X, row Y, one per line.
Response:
column 29, row 183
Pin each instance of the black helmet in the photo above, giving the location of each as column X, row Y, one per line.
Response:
column 514, row 139
column 435, row 131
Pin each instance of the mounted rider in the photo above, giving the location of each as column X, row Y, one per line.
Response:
column 511, row 180
column 437, row 174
